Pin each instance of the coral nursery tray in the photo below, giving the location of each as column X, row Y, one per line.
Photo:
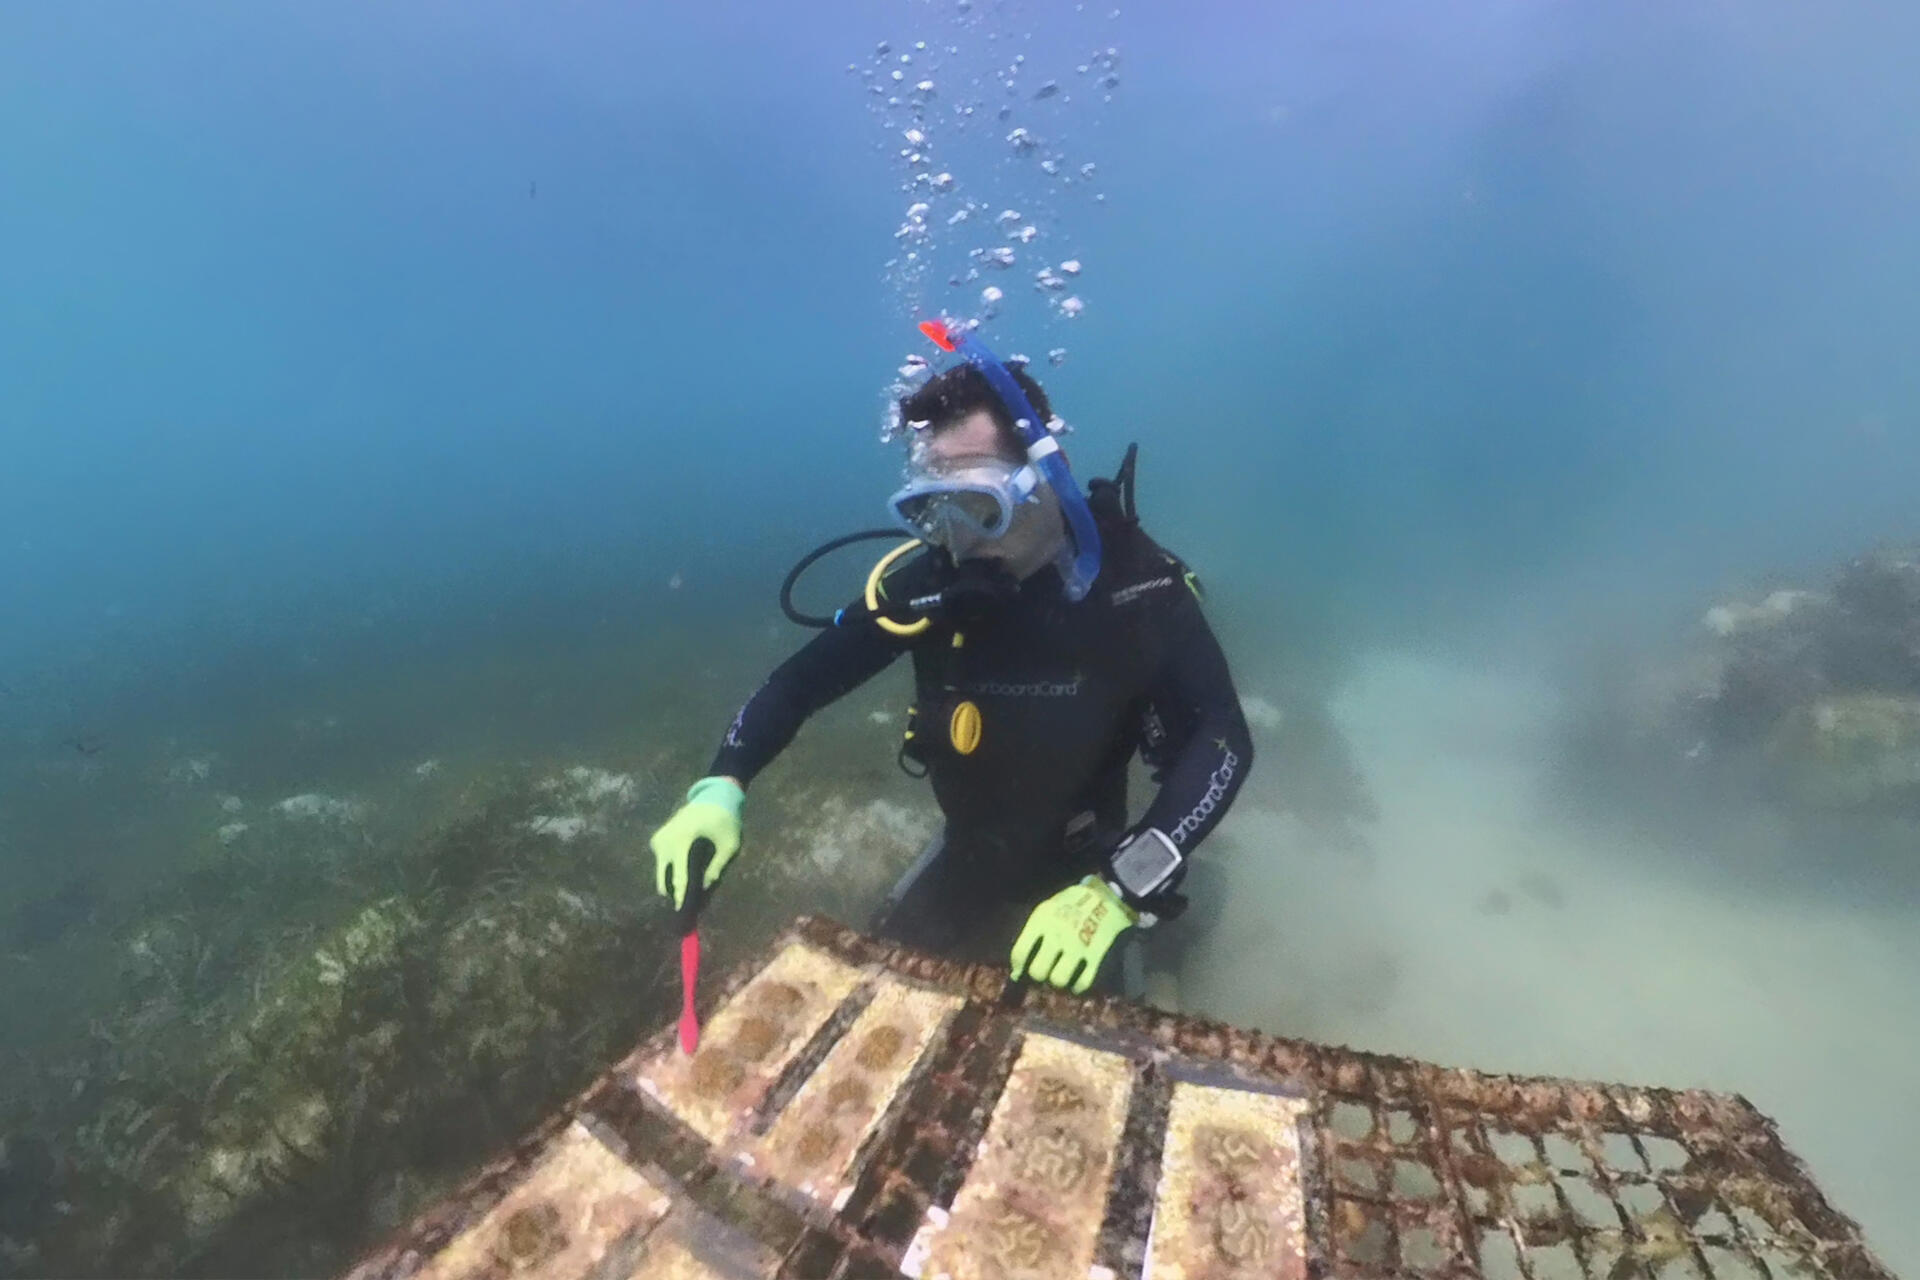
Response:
column 860, row 1110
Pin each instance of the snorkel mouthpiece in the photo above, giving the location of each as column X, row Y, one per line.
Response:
column 1043, row 451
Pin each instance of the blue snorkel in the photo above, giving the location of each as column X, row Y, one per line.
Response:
column 1043, row 451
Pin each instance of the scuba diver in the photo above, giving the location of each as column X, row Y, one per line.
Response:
column 1051, row 640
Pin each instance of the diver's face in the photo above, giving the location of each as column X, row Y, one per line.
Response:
column 1037, row 526
column 972, row 441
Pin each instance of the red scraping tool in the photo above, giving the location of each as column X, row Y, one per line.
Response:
column 688, row 918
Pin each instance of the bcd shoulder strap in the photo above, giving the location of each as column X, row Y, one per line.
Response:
column 1112, row 499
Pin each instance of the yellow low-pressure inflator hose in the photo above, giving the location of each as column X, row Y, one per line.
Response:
column 873, row 593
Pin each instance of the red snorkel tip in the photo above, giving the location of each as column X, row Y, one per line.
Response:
column 936, row 331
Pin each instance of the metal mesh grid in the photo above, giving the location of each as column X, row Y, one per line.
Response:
column 1440, row 1173
column 1409, row 1169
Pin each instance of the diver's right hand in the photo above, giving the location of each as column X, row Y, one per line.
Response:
column 712, row 812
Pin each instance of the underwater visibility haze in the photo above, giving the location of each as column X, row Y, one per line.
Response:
column 408, row 414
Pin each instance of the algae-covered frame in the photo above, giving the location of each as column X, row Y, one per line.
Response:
column 1232, row 1187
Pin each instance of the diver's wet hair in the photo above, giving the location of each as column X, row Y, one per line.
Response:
column 960, row 391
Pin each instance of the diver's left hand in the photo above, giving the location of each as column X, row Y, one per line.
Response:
column 1072, row 930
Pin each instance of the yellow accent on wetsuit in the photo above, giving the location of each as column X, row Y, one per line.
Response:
column 964, row 728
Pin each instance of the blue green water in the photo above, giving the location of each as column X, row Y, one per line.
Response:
column 382, row 383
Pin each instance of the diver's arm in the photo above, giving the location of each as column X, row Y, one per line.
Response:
column 1203, row 779
column 833, row 663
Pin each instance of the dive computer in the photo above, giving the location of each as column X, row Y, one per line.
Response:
column 1145, row 864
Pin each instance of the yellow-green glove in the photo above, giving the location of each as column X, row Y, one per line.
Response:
column 1074, row 929
column 712, row 811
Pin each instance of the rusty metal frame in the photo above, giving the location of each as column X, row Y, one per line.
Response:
column 1409, row 1169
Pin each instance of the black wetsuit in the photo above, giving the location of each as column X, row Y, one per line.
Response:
column 1066, row 691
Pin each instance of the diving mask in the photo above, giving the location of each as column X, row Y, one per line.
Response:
column 960, row 506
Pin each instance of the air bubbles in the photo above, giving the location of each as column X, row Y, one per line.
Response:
column 896, row 425
column 924, row 113
column 1057, row 357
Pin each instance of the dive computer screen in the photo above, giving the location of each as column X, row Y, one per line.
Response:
column 1145, row 863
